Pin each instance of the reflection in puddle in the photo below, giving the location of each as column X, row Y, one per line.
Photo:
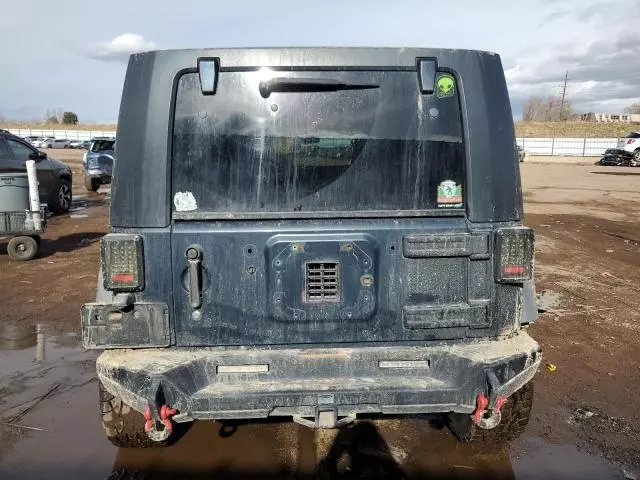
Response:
column 20, row 347
column 378, row 449
column 17, row 337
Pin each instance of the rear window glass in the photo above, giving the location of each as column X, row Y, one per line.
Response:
column 633, row 135
column 102, row 145
column 374, row 144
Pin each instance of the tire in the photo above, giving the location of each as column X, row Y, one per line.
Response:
column 91, row 184
column 62, row 196
column 22, row 248
column 636, row 158
column 124, row 426
column 515, row 417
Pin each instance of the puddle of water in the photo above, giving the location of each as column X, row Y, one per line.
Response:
column 19, row 355
column 533, row 458
column 58, row 398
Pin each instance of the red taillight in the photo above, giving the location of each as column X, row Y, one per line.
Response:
column 630, row 141
column 122, row 277
column 514, row 254
column 122, row 262
column 513, row 269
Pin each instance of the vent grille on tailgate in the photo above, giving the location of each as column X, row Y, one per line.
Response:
column 322, row 282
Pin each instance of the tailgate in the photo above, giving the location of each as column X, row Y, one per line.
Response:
column 367, row 281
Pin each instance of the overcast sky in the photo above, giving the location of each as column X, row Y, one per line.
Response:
column 72, row 54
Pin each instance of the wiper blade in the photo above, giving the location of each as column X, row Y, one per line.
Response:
column 294, row 85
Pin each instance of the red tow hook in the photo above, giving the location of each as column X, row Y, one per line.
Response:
column 499, row 403
column 482, row 402
column 481, row 407
column 149, row 424
column 166, row 412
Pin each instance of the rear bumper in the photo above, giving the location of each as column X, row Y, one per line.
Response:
column 240, row 383
column 618, row 152
column 98, row 174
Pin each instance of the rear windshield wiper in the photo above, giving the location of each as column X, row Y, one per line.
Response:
column 286, row 85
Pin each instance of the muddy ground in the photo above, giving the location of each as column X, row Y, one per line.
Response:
column 585, row 422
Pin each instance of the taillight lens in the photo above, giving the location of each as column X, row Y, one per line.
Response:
column 630, row 141
column 122, row 262
column 514, row 254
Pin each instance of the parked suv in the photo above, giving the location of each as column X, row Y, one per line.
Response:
column 317, row 234
column 631, row 145
column 54, row 177
column 98, row 163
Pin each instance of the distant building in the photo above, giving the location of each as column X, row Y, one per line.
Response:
column 611, row 117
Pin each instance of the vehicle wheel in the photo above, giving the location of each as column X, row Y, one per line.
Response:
column 61, row 200
column 91, row 184
column 636, row 158
column 515, row 417
column 124, row 426
column 22, row 248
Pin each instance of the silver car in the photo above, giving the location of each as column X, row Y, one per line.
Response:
column 98, row 163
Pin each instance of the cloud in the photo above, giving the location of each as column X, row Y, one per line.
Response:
column 120, row 48
column 583, row 14
column 603, row 71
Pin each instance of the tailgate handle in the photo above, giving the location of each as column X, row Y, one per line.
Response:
column 194, row 262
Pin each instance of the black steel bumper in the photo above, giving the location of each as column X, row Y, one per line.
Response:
column 316, row 386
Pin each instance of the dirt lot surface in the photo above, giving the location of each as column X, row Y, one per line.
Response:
column 585, row 422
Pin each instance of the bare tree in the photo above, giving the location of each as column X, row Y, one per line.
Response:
column 532, row 109
column 550, row 109
column 53, row 116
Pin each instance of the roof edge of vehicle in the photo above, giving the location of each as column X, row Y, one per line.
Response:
column 315, row 56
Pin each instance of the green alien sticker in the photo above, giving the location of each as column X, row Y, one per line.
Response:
column 449, row 194
column 446, row 86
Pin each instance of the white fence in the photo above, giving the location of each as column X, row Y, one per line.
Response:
column 81, row 135
column 584, row 147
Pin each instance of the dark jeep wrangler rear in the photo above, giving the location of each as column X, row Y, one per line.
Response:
column 314, row 233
